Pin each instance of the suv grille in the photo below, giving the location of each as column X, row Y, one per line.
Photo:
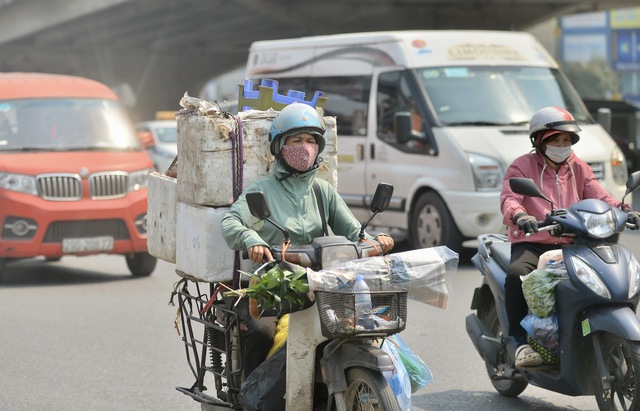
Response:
column 85, row 229
column 68, row 187
column 108, row 185
column 59, row 186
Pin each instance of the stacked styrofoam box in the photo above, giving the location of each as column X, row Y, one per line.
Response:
column 205, row 189
column 161, row 216
column 205, row 169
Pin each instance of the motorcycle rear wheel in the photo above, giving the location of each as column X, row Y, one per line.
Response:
column 622, row 360
column 369, row 390
column 507, row 388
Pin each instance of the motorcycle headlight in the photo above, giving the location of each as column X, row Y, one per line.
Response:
column 338, row 254
column 18, row 182
column 589, row 277
column 138, row 179
column 634, row 276
column 599, row 225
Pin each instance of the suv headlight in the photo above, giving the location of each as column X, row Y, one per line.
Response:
column 599, row 225
column 487, row 173
column 20, row 183
column 138, row 179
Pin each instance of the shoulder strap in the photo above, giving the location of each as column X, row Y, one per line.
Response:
column 318, row 193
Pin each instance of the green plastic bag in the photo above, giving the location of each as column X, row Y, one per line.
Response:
column 539, row 289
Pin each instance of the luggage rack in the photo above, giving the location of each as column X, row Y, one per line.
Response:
column 212, row 345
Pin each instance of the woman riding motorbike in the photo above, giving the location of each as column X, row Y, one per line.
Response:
column 296, row 141
column 565, row 179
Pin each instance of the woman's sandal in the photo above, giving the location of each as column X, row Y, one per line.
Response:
column 527, row 357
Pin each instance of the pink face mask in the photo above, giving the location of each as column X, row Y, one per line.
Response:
column 300, row 157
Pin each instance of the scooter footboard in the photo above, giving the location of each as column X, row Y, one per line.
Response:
column 621, row 321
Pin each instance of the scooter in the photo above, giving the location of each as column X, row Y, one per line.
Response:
column 327, row 367
column 598, row 330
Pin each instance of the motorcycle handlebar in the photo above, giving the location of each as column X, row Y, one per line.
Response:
column 544, row 226
column 310, row 255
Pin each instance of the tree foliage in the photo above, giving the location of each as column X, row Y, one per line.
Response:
column 594, row 80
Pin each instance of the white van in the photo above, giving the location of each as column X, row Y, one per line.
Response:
column 438, row 114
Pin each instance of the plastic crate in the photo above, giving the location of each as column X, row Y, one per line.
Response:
column 338, row 316
column 267, row 96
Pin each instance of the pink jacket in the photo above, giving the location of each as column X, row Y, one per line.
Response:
column 574, row 181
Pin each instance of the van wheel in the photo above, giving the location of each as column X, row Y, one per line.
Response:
column 432, row 224
column 3, row 264
column 141, row 264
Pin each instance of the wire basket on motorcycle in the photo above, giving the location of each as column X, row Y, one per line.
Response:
column 339, row 316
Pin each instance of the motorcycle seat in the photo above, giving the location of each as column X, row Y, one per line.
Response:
column 501, row 253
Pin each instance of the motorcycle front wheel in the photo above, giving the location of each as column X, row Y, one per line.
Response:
column 507, row 387
column 622, row 362
column 368, row 390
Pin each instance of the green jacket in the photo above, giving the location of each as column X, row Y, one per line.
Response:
column 293, row 206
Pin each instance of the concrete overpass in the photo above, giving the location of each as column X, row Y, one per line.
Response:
column 162, row 48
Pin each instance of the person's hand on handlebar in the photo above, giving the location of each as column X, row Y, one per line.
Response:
column 633, row 218
column 258, row 254
column 386, row 242
column 526, row 223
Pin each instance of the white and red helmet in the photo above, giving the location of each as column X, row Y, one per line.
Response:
column 550, row 121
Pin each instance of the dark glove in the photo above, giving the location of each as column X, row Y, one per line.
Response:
column 527, row 223
column 633, row 217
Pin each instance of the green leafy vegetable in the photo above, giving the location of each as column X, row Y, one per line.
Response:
column 274, row 286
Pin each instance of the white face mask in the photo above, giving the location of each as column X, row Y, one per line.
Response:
column 558, row 154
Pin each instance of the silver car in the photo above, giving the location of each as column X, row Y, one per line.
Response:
column 160, row 139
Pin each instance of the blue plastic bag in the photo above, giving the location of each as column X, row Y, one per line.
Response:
column 398, row 379
column 419, row 373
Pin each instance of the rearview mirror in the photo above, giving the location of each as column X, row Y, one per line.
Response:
column 524, row 186
column 258, row 205
column 381, row 198
column 146, row 139
column 527, row 187
column 633, row 182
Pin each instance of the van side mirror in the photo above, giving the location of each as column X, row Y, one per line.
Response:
column 381, row 198
column 604, row 118
column 146, row 139
column 402, row 126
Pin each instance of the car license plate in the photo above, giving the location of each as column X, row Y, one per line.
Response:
column 79, row 245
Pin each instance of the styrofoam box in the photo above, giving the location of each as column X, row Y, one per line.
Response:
column 201, row 251
column 205, row 161
column 161, row 216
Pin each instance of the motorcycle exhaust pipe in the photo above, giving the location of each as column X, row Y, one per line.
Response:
column 485, row 342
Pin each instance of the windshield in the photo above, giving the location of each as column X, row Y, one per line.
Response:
column 167, row 134
column 65, row 124
column 488, row 95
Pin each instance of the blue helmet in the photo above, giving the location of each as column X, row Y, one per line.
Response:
column 296, row 118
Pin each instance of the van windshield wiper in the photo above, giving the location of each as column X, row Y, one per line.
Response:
column 487, row 123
